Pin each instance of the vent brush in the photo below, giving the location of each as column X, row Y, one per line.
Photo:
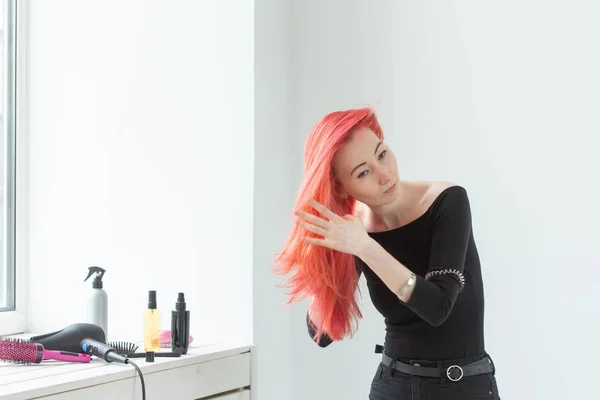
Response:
column 124, row 348
column 21, row 351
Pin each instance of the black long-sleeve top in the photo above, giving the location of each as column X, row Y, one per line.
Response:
column 444, row 317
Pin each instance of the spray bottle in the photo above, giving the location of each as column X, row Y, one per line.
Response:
column 97, row 303
column 180, row 326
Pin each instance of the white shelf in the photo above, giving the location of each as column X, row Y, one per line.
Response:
column 205, row 371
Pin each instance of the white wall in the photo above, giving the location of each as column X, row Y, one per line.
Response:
column 501, row 98
column 141, row 147
column 273, row 196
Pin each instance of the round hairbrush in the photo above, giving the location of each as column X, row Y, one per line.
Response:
column 22, row 351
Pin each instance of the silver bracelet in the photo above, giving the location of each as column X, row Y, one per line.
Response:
column 411, row 282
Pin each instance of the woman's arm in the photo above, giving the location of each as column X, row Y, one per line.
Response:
column 433, row 296
column 388, row 269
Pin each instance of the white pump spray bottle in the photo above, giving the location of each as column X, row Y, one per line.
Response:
column 97, row 303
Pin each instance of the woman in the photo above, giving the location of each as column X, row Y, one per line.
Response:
column 413, row 241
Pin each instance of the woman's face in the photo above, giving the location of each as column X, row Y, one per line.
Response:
column 367, row 169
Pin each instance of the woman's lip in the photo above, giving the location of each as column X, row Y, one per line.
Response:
column 391, row 189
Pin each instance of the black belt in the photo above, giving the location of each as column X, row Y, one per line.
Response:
column 453, row 372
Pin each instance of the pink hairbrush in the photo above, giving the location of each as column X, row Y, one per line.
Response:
column 21, row 351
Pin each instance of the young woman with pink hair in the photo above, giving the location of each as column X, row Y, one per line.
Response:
column 413, row 242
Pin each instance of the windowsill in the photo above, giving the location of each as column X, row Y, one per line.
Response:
column 205, row 371
column 11, row 322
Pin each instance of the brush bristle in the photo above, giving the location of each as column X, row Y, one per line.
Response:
column 123, row 348
column 18, row 351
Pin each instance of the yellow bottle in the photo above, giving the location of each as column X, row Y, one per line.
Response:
column 152, row 324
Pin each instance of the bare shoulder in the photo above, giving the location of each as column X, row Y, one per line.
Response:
column 434, row 190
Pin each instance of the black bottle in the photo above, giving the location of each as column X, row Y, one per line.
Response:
column 180, row 326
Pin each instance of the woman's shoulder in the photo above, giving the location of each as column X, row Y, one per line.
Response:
column 446, row 196
column 430, row 192
column 437, row 190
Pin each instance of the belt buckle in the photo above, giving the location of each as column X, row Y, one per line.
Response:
column 449, row 374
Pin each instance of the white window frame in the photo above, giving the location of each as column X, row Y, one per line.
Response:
column 14, row 321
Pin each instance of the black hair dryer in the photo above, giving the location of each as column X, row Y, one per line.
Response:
column 69, row 338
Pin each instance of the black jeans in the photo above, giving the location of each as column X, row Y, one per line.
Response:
column 390, row 384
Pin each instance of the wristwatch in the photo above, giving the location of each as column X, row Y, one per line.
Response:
column 411, row 282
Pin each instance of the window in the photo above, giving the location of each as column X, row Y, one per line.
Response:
column 7, row 155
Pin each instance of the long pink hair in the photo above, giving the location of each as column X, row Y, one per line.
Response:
column 329, row 276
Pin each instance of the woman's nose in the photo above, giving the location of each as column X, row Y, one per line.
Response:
column 385, row 177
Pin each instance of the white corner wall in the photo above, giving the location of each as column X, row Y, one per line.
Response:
column 141, row 147
column 503, row 99
column 273, row 197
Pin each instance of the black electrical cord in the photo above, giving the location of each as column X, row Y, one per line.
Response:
column 139, row 371
column 109, row 354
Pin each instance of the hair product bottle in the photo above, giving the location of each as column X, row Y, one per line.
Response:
column 180, row 326
column 97, row 302
column 152, row 322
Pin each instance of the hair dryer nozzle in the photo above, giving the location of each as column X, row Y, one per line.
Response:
column 102, row 350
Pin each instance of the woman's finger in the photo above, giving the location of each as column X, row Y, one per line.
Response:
column 314, row 219
column 325, row 211
column 312, row 228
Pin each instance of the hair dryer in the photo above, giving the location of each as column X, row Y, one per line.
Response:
column 69, row 338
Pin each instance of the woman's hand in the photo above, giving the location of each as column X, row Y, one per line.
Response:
column 346, row 234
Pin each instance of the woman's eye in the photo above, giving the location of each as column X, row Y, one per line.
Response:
column 382, row 154
column 364, row 173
